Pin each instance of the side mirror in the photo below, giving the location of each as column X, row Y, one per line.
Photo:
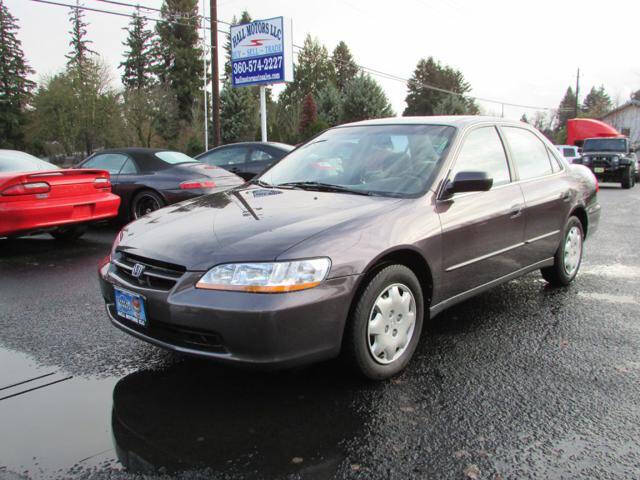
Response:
column 469, row 182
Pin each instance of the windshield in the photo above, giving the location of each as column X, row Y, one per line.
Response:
column 394, row 160
column 12, row 161
column 174, row 157
column 605, row 145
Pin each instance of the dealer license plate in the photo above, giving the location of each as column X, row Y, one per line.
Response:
column 598, row 170
column 130, row 306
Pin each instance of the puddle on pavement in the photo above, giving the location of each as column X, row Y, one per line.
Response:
column 191, row 416
column 616, row 270
column 607, row 297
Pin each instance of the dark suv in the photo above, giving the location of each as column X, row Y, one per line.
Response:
column 611, row 160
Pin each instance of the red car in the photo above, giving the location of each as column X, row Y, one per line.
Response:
column 37, row 196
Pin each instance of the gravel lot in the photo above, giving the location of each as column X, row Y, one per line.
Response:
column 521, row 382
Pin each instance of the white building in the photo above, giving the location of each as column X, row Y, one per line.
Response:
column 626, row 119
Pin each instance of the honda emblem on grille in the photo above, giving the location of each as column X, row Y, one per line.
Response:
column 137, row 270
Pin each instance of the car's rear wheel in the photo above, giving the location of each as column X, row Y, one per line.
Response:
column 568, row 257
column 145, row 202
column 70, row 233
column 384, row 329
column 628, row 178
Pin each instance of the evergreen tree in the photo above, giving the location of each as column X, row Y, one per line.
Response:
column 566, row 109
column 80, row 51
column 596, row 103
column 330, row 105
column 138, row 63
column 238, row 114
column 312, row 72
column 15, row 88
column 345, row 66
column 422, row 100
column 365, row 99
column 180, row 57
column 455, row 105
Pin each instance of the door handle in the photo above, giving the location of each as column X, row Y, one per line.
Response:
column 516, row 211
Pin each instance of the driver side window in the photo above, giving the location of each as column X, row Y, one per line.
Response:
column 482, row 151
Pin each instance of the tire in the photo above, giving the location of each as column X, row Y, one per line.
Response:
column 627, row 178
column 361, row 345
column 567, row 258
column 70, row 233
column 145, row 202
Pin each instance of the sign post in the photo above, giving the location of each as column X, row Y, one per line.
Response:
column 262, row 54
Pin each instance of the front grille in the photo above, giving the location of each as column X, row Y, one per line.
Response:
column 155, row 274
column 175, row 335
column 601, row 162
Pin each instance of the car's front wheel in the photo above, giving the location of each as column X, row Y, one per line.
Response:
column 568, row 257
column 628, row 178
column 384, row 329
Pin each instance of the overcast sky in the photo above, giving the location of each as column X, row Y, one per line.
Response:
column 509, row 50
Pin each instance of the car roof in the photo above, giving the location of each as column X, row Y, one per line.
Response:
column 448, row 120
column 135, row 150
column 253, row 144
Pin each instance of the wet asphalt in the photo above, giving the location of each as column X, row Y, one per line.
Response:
column 521, row 382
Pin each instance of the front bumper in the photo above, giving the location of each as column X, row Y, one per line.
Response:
column 33, row 215
column 270, row 330
column 608, row 173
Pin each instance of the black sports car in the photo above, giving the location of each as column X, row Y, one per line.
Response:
column 148, row 179
column 246, row 159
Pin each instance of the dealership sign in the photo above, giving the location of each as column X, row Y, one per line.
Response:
column 261, row 52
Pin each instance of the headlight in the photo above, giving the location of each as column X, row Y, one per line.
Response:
column 272, row 277
column 615, row 159
column 586, row 159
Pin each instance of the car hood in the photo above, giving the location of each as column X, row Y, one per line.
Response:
column 243, row 224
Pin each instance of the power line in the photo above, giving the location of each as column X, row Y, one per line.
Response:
column 119, row 14
column 363, row 68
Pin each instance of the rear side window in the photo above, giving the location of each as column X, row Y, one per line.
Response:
column 174, row 158
column 529, row 153
column 258, row 155
column 225, row 156
column 482, row 151
column 111, row 162
column 568, row 152
column 129, row 168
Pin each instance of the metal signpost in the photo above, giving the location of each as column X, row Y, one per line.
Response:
column 262, row 54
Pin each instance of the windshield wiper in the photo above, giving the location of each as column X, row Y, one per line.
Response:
column 260, row 183
column 324, row 187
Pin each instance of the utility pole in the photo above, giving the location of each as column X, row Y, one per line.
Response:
column 204, row 79
column 577, row 91
column 215, row 74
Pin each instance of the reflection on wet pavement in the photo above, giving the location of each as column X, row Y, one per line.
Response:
column 196, row 416
column 190, row 416
column 50, row 420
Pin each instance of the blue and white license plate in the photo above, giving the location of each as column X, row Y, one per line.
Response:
column 130, row 306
